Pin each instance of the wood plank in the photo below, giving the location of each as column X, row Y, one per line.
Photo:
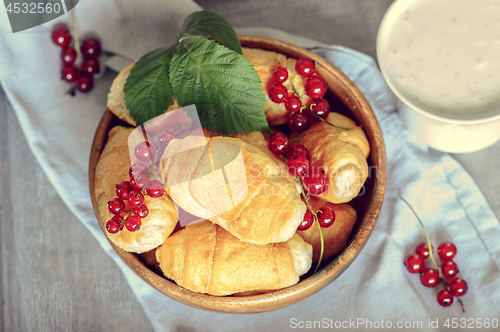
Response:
column 55, row 275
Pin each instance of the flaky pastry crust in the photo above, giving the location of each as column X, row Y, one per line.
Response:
column 112, row 169
column 262, row 205
column 264, row 62
column 336, row 236
column 205, row 258
column 341, row 153
column 116, row 97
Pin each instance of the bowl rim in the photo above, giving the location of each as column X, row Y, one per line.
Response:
column 383, row 64
column 284, row 297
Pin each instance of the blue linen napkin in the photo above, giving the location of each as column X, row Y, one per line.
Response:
column 376, row 289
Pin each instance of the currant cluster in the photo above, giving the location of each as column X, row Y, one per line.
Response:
column 313, row 181
column 301, row 114
column 430, row 277
column 72, row 72
column 130, row 194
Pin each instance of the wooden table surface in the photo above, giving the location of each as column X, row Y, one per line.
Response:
column 56, row 277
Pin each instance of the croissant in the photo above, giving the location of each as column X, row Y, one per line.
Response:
column 340, row 153
column 116, row 101
column 205, row 258
column 264, row 62
column 233, row 184
column 336, row 236
column 112, row 169
column 259, row 140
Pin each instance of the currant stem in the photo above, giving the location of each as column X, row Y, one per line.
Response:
column 75, row 34
column 431, row 251
column 317, row 224
column 331, row 124
column 298, row 138
column 295, row 91
column 461, row 303
column 124, row 220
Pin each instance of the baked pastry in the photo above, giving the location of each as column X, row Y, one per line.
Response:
column 233, row 184
column 264, row 62
column 340, row 153
column 116, row 101
column 259, row 140
column 112, row 169
column 336, row 236
column 205, row 258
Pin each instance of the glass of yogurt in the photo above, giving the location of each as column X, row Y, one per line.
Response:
column 442, row 59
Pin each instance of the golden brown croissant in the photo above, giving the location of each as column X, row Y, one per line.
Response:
column 205, row 258
column 112, row 169
column 116, row 101
column 258, row 139
column 235, row 185
column 341, row 153
column 336, row 236
column 264, row 62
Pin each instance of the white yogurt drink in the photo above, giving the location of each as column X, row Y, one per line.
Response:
column 443, row 56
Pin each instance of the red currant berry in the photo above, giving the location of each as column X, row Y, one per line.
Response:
column 278, row 93
column 319, row 107
column 458, row 287
column 68, row 55
column 139, row 181
column 116, row 206
column 90, row 67
column 447, row 250
column 91, row 48
column 445, row 298
column 298, row 122
column 307, row 222
column 113, row 226
column 120, row 220
column 141, row 211
column 155, row 189
column 138, row 168
column 316, row 87
column 279, row 144
column 423, row 251
column 449, row 269
column 316, row 182
column 280, row 74
column 165, row 137
column 133, row 223
column 305, row 67
column 300, row 150
column 85, row 84
column 293, row 104
column 123, row 189
column 414, row 263
column 298, row 166
column 61, row 36
column 135, row 198
column 326, row 216
column 70, row 74
column 429, row 277
column 145, row 151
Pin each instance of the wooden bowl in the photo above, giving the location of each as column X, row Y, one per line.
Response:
column 345, row 98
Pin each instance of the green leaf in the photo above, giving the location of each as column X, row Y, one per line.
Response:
column 211, row 25
column 222, row 84
column 147, row 90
